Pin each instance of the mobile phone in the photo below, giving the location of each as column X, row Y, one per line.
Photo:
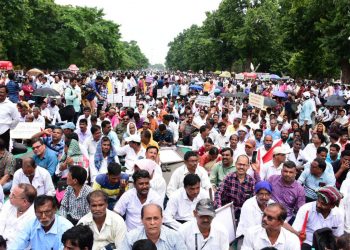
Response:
column 255, row 153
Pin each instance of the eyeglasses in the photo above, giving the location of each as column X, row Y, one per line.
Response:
column 36, row 147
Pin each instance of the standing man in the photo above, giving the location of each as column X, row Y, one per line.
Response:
column 45, row 231
column 221, row 169
column 9, row 116
column 73, row 97
column 202, row 233
column 109, row 228
column 271, row 232
column 7, row 167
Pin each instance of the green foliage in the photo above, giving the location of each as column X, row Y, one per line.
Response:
column 301, row 38
column 40, row 33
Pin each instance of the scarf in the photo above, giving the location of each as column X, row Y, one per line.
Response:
column 98, row 158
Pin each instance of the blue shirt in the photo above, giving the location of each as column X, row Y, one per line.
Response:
column 168, row 240
column 275, row 134
column 13, row 90
column 92, row 95
column 49, row 161
column 58, row 148
column 329, row 160
column 34, row 235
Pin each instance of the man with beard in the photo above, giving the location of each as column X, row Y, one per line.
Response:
column 46, row 230
column 265, row 153
column 296, row 155
column 109, row 228
column 284, row 139
column 321, row 213
column 271, row 232
column 131, row 202
column 253, row 208
column 221, row 169
column 286, row 190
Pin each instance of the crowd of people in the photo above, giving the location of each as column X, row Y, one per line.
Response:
column 95, row 179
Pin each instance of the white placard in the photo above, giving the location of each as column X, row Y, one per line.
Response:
column 126, row 101
column 159, row 93
column 169, row 156
column 25, row 130
column 239, row 77
column 203, row 100
column 118, row 98
column 110, row 98
column 132, row 101
column 256, row 100
column 225, row 219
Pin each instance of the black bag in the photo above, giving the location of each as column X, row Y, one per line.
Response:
column 67, row 113
column 324, row 239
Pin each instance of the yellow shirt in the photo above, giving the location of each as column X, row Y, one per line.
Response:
column 151, row 143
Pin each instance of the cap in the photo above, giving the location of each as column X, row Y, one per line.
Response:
column 263, row 185
column 242, row 128
column 251, row 143
column 134, row 138
column 146, row 164
column 205, row 207
column 31, row 102
column 280, row 150
column 68, row 125
column 330, row 194
column 146, row 120
column 306, row 94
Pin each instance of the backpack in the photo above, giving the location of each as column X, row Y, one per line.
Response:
column 324, row 239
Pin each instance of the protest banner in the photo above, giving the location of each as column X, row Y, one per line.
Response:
column 203, row 100
column 25, row 130
column 256, row 100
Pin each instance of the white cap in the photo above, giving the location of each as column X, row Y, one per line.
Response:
column 242, row 128
column 134, row 138
column 280, row 150
column 306, row 94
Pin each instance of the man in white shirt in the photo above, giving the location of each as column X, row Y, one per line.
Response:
column 321, row 213
column 109, row 228
column 222, row 140
column 38, row 117
column 198, row 141
column 183, row 201
column 296, row 155
column 271, row 232
column 131, row 202
column 191, row 166
column 279, row 157
column 92, row 141
column 200, row 119
column 17, row 211
column 39, row 177
column 202, row 233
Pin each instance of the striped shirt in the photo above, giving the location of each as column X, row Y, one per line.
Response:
column 102, row 183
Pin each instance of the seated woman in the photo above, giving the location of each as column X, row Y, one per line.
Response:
column 209, row 159
column 208, row 144
column 130, row 130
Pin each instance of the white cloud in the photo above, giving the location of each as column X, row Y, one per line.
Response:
column 152, row 23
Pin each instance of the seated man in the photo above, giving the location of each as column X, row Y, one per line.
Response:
column 17, row 211
column 131, row 202
column 7, row 167
column 45, row 231
column 53, row 139
column 79, row 236
column 37, row 176
column 43, row 156
column 83, row 131
column 113, row 183
column 221, row 169
column 191, row 166
column 108, row 227
column 314, row 178
column 202, row 232
column 163, row 136
column 271, row 232
column 321, row 213
column 152, row 229
column 74, row 204
column 183, row 201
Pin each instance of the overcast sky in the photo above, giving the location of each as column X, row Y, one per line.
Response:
column 152, row 23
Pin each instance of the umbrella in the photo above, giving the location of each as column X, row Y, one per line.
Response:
column 45, row 92
column 227, row 94
column 269, row 102
column 67, row 73
column 279, row 94
column 34, row 72
column 225, row 74
column 335, row 101
column 196, row 87
column 276, row 77
column 241, row 95
column 217, row 91
column 218, row 72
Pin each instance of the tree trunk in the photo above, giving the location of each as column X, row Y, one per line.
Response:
column 345, row 70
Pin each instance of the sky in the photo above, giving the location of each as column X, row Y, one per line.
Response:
column 152, row 23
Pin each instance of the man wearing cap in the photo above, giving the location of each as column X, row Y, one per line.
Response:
column 242, row 132
column 221, row 169
column 321, row 213
column 202, row 233
column 279, row 157
column 133, row 152
column 68, row 128
column 253, row 208
column 307, row 109
column 145, row 126
column 270, row 233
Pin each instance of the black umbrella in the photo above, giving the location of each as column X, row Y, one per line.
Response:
column 45, row 92
column 241, row 95
column 335, row 101
column 227, row 94
column 269, row 102
column 66, row 73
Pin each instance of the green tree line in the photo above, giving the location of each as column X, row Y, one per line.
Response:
column 40, row 33
column 302, row 38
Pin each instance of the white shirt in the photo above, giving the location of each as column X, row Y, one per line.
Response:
column 40, row 120
column 10, row 224
column 59, row 87
column 299, row 161
column 131, row 157
column 41, row 181
column 251, row 215
column 184, row 89
column 334, row 221
column 257, row 239
column 309, row 152
column 45, row 113
column 180, row 207
column 197, row 142
column 222, row 141
column 158, row 183
column 91, row 145
column 113, row 230
column 266, row 172
column 9, row 116
column 217, row 239
column 130, row 206
column 345, row 202
column 177, row 179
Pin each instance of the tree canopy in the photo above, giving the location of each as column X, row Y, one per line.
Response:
column 301, row 38
column 40, row 33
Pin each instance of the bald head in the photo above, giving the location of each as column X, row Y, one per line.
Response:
column 152, row 209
